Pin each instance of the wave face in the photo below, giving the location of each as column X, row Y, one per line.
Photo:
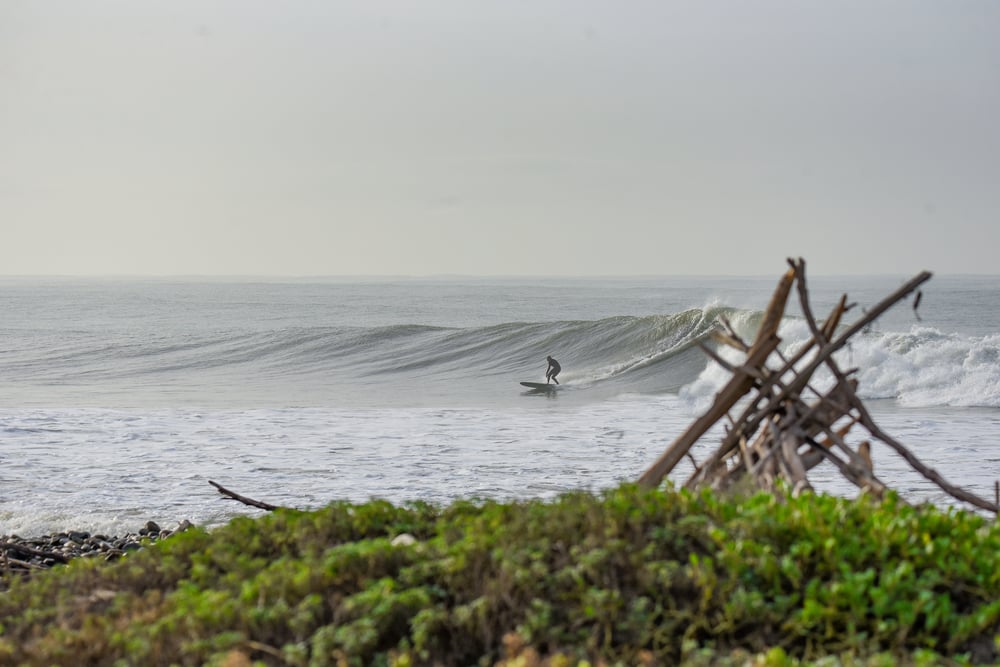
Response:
column 190, row 345
column 653, row 353
column 624, row 354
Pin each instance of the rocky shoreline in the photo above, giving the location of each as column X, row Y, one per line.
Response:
column 20, row 555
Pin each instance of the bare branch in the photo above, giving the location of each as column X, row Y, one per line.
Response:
column 231, row 495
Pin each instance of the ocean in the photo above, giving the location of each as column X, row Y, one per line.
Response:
column 121, row 398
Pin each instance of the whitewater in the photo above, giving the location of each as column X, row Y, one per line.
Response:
column 120, row 398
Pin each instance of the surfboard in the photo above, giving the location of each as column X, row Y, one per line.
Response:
column 540, row 386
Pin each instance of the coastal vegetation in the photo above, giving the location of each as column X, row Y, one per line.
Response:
column 628, row 576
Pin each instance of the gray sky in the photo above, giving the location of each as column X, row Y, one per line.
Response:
column 543, row 137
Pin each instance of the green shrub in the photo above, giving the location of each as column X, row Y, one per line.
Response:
column 627, row 577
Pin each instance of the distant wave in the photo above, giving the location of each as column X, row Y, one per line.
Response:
column 625, row 354
column 594, row 351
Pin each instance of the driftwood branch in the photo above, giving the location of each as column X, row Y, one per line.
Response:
column 729, row 338
column 25, row 550
column 748, row 418
column 232, row 495
column 766, row 342
column 775, row 435
column 929, row 473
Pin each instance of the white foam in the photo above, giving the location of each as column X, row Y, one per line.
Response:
column 925, row 368
column 922, row 367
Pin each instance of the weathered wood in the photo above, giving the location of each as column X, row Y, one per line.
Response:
column 825, row 352
column 865, row 452
column 766, row 342
column 744, row 368
column 747, row 420
column 15, row 563
column 745, row 460
column 864, row 482
column 857, row 468
column 812, row 458
column 25, row 550
column 775, row 310
column 714, row 356
column 775, row 434
column 929, row 473
column 726, row 338
column 735, row 337
column 736, row 389
column 795, row 470
column 231, row 495
column 865, row 418
column 753, row 415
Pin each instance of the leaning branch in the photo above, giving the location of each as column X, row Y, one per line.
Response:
column 739, row 385
column 231, row 495
column 929, row 473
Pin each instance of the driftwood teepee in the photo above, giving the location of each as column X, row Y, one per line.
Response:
column 786, row 426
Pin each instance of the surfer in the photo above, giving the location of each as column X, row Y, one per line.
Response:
column 552, row 371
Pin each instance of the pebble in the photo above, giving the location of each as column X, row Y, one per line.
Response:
column 19, row 555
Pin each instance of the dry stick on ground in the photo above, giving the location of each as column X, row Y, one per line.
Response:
column 230, row 495
column 745, row 459
column 765, row 458
column 846, row 387
column 763, row 468
column 865, row 419
column 25, row 550
column 23, row 565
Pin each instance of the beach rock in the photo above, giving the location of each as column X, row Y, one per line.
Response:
column 403, row 540
column 25, row 555
column 151, row 528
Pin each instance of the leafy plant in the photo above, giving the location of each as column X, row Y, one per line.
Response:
column 626, row 576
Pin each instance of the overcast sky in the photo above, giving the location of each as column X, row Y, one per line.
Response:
column 499, row 137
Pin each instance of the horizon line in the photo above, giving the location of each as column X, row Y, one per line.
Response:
column 447, row 276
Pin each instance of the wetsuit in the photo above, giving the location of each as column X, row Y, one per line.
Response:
column 552, row 371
